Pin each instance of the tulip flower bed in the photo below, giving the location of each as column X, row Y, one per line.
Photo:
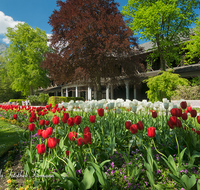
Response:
column 110, row 145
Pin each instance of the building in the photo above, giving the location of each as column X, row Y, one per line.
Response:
column 127, row 91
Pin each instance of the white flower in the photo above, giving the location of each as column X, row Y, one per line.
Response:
column 134, row 108
column 118, row 110
column 135, row 102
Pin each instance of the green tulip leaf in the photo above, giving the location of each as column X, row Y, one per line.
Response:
column 182, row 154
column 65, row 186
column 88, row 178
column 198, row 184
column 189, row 182
column 99, row 174
column 71, row 169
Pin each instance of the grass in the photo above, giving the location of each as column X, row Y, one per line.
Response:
column 9, row 135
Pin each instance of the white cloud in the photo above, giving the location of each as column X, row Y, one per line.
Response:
column 6, row 40
column 6, row 21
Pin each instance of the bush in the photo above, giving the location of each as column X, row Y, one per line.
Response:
column 33, row 99
column 43, row 98
column 19, row 101
column 186, row 93
column 164, row 85
column 58, row 99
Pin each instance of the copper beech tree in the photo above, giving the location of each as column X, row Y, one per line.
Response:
column 90, row 40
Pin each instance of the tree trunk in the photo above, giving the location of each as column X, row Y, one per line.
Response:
column 31, row 90
column 162, row 64
column 98, row 85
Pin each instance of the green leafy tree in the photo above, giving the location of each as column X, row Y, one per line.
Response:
column 6, row 93
column 164, row 22
column 24, row 55
column 164, row 85
column 192, row 47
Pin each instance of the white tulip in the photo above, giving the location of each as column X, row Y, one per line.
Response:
column 118, row 110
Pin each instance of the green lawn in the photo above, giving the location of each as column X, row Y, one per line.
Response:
column 9, row 135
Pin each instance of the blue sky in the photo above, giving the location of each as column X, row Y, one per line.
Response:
column 34, row 12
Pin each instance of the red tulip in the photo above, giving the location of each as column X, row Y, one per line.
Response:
column 170, row 124
column 71, row 121
column 133, row 129
column 53, row 110
column 173, row 120
column 198, row 119
column 179, row 125
column 127, row 124
column 77, row 120
column 101, row 112
column 47, row 123
column 45, row 134
column 140, row 125
column 184, row 116
column 87, row 138
column 67, row 152
column 42, row 122
column 193, row 113
column 50, row 131
column 178, row 112
column 173, row 112
column 40, row 148
column 189, row 108
column 183, row 104
column 80, row 141
column 31, row 127
column 72, row 135
column 56, row 120
column 39, row 113
column 31, row 119
column 151, row 132
column 40, row 132
column 86, row 129
column 15, row 116
column 154, row 114
column 92, row 119
column 51, row 142
column 66, row 116
column 198, row 132
column 33, row 115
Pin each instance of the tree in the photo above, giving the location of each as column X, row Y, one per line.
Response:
column 192, row 47
column 6, row 93
column 164, row 85
column 24, row 56
column 164, row 22
column 91, row 41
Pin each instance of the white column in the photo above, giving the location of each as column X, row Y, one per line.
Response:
column 66, row 92
column 127, row 90
column 86, row 95
column 111, row 89
column 76, row 94
column 135, row 92
column 61, row 92
column 89, row 93
column 107, row 92
column 95, row 93
column 56, row 93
